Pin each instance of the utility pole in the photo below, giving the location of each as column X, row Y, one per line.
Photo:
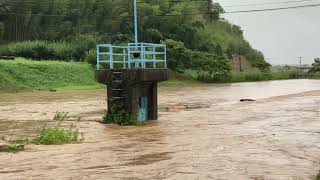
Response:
column 135, row 23
column 16, row 17
column 240, row 60
column 240, row 63
column 300, row 62
column 210, row 9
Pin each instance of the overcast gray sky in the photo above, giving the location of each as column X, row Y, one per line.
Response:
column 283, row 35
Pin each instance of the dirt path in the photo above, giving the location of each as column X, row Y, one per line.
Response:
column 204, row 135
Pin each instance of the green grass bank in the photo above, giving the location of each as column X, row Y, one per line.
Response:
column 22, row 74
column 27, row 75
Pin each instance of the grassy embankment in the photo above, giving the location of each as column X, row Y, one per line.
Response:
column 45, row 75
column 26, row 75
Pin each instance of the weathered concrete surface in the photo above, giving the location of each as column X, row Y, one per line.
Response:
column 217, row 137
column 127, row 86
column 132, row 76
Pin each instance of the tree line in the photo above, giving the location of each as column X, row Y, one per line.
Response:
column 195, row 27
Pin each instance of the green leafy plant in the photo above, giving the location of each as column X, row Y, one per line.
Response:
column 57, row 134
column 122, row 118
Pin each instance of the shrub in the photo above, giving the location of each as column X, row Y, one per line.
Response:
column 11, row 148
column 122, row 118
column 58, row 135
column 91, row 57
column 179, row 57
column 211, row 67
column 61, row 51
column 28, row 49
column 82, row 44
column 75, row 49
column 212, row 78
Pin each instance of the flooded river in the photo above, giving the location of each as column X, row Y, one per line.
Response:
column 203, row 132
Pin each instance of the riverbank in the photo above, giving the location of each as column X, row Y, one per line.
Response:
column 253, row 75
column 26, row 75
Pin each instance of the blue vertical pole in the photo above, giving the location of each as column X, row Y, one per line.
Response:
column 135, row 23
column 111, row 56
column 165, row 57
column 129, row 56
column 98, row 57
column 124, row 57
column 154, row 57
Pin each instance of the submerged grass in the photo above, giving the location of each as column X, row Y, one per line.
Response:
column 11, row 148
column 122, row 118
column 48, row 136
column 58, row 135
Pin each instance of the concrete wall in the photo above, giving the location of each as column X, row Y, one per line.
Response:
column 135, row 83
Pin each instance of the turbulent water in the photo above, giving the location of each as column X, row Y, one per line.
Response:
column 203, row 132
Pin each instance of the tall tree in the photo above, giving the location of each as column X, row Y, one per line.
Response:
column 315, row 66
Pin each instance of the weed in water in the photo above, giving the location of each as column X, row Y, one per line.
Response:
column 122, row 118
column 58, row 135
column 9, row 148
column 60, row 116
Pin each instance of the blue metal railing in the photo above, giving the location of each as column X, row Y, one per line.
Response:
column 134, row 55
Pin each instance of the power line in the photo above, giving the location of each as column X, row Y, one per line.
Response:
column 270, row 3
column 191, row 14
column 272, row 9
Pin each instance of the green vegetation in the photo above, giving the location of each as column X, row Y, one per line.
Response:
column 22, row 74
column 256, row 75
column 252, row 75
column 48, row 136
column 197, row 38
column 176, row 78
column 122, row 118
column 45, row 75
column 11, row 148
column 75, row 50
column 315, row 67
column 57, row 134
column 198, row 41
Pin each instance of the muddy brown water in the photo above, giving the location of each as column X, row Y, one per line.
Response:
column 203, row 132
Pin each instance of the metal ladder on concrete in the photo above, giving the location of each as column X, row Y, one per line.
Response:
column 117, row 88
